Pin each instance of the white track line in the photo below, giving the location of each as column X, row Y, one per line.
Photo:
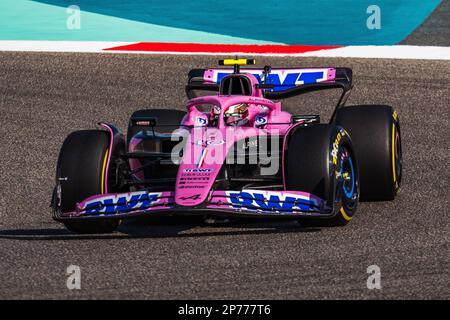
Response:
column 58, row 46
column 386, row 52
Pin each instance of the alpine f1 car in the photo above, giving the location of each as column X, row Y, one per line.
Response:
column 233, row 153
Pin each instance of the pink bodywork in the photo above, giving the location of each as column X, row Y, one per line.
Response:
column 206, row 150
column 194, row 179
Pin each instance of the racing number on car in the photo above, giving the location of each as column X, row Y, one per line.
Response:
column 194, row 197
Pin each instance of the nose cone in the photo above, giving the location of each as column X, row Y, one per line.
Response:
column 201, row 163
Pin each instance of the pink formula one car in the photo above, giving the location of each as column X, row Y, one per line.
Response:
column 234, row 153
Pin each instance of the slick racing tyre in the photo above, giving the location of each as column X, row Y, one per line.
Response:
column 375, row 132
column 320, row 160
column 81, row 172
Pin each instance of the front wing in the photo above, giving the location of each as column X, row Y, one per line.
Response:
column 243, row 203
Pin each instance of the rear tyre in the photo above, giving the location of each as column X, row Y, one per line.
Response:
column 81, row 172
column 320, row 160
column 375, row 132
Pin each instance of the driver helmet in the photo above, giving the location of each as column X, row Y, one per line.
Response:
column 236, row 115
column 214, row 116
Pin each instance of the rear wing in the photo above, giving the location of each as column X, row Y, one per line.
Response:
column 278, row 83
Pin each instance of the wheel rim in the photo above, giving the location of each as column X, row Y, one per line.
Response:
column 347, row 182
column 349, row 178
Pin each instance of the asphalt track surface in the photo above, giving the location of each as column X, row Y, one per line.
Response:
column 45, row 96
column 435, row 30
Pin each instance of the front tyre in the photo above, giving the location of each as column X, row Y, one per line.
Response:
column 81, row 172
column 320, row 160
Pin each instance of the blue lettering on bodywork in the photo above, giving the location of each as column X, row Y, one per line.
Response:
column 310, row 77
column 121, row 204
column 259, row 201
column 241, row 199
column 290, row 81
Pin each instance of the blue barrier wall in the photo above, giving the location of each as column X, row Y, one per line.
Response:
column 312, row 22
